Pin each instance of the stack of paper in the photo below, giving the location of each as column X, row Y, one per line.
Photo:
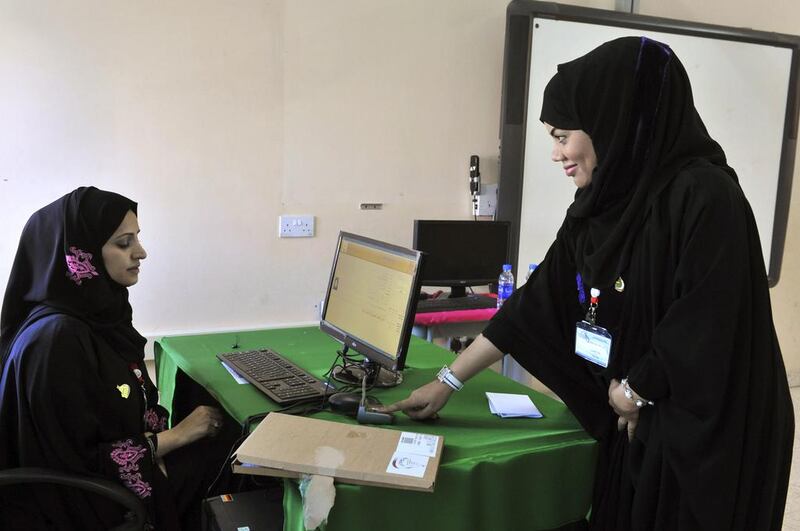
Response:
column 508, row 405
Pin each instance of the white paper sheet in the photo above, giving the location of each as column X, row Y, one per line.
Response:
column 507, row 405
column 235, row 374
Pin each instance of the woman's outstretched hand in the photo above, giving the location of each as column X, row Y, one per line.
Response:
column 423, row 402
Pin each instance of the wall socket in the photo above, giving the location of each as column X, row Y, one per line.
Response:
column 487, row 200
column 295, row 226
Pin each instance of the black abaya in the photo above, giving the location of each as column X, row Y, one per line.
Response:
column 74, row 390
column 692, row 329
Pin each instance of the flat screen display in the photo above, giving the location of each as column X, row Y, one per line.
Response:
column 461, row 253
column 371, row 298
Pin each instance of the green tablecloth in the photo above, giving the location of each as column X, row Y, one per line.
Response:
column 495, row 474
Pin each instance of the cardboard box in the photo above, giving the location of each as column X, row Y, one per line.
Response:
column 289, row 446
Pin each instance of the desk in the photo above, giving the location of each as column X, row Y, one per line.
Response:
column 495, row 474
column 452, row 323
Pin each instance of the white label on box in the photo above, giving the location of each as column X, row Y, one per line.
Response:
column 417, row 443
column 407, row 464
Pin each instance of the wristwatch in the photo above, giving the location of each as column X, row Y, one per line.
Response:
column 638, row 402
column 447, row 377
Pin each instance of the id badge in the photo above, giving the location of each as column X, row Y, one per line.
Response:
column 592, row 343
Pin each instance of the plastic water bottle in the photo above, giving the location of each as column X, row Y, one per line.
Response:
column 505, row 285
column 530, row 271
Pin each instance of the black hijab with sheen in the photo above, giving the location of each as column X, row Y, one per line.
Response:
column 59, row 269
column 633, row 98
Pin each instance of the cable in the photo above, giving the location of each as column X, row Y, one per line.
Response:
column 339, row 354
column 364, row 389
column 299, row 408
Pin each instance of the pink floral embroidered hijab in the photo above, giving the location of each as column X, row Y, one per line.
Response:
column 59, row 269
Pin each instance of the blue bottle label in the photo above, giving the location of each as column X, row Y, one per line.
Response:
column 504, row 290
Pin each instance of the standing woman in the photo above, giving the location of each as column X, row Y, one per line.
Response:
column 74, row 390
column 690, row 403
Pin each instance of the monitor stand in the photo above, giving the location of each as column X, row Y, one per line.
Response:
column 377, row 376
column 457, row 292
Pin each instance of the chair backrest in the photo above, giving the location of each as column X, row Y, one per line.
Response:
column 136, row 516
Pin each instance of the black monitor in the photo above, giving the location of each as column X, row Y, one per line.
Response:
column 461, row 253
column 371, row 299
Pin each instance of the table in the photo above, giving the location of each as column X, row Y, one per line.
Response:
column 495, row 474
column 452, row 323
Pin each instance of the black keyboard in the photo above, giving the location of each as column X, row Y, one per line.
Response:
column 470, row 302
column 275, row 376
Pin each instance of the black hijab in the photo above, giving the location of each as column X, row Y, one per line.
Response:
column 633, row 98
column 59, row 269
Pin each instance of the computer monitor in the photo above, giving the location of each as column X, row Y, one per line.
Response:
column 371, row 299
column 461, row 253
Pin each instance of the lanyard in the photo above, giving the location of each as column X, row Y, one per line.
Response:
column 591, row 315
column 138, row 373
column 592, row 343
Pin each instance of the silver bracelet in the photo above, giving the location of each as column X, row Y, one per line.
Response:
column 639, row 402
column 447, row 377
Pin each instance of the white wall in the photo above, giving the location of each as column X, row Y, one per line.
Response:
column 220, row 116
column 175, row 105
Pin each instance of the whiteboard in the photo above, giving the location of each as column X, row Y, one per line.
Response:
column 742, row 92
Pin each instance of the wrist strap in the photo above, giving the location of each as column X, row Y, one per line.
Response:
column 447, row 377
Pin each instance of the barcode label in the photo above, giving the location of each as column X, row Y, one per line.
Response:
column 418, row 444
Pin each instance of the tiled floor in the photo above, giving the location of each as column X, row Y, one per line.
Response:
column 791, row 516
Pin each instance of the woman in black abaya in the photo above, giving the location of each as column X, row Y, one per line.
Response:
column 74, row 390
column 691, row 404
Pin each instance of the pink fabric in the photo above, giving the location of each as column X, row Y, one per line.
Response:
column 127, row 455
column 454, row 316
column 80, row 265
column 154, row 422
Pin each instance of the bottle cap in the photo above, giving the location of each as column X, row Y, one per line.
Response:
column 595, row 292
column 506, row 267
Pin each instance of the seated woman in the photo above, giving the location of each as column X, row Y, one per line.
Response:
column 74, row 391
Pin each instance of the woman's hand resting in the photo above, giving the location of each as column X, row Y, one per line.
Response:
column 624, row 407
column 204, row 421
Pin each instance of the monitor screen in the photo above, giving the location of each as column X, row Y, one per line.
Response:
column 461, row 253
column 371, row 298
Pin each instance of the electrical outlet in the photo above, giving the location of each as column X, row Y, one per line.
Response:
column 487, row 200
column 295, row 226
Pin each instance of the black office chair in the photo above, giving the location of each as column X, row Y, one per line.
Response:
column 136, row 514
